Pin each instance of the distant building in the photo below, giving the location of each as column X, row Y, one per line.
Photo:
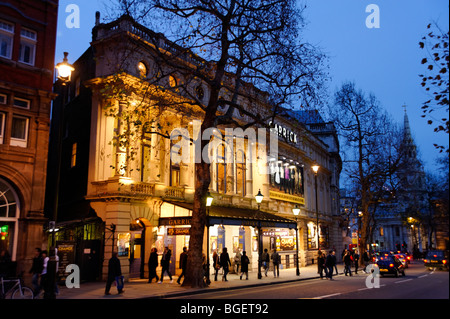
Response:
column 27, row 46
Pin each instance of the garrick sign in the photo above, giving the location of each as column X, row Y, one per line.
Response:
column 284, row 132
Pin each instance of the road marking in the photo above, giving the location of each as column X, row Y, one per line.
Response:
column 326, row 296
column 397, row 282
column 422, row 276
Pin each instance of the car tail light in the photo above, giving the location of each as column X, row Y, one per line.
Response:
column 434, row 256
column 425, row 260
column 391, row 265
column 408, row 258
column 444, row 261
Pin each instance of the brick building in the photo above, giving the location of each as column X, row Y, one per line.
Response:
column 27, row 47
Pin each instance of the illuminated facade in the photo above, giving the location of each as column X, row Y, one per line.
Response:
column 145, row 198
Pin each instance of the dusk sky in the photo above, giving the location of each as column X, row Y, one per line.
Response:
column 384, row 61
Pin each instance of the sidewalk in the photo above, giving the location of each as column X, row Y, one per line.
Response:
column 139, row 288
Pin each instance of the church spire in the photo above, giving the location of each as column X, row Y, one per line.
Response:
column 408, row 141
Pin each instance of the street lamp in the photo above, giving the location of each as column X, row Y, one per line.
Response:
column 259, row 197
column 209, row 200
column 64, row 70
column 315, row 168
column 296, row 211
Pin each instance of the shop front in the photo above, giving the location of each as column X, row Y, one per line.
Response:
column 237, row 229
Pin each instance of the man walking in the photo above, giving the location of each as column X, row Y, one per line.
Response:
column 183, row 264
column 165, row 264
column 276, row 263
column 114, row 271
column 329, row 263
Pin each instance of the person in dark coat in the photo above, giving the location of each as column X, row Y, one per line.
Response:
column 348, row 263
column 225, row 263
column 114, row 270
column 244, row 264
column 165, row 264
column 36, row 270
column 183, row 263
column 152, row 264
column 321, row 264
column 216, row 264
column 356, row 260
column 329, row 263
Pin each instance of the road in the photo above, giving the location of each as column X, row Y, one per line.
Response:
column 419, row 283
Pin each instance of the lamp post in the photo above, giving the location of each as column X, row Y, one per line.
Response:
column 64, row 70
column 315, row 168
column 296, row 211
column 259, row 197
column 209, row 200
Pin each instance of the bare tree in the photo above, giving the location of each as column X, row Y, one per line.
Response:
column 435, row 80
column 249, row 57
column 371, row 152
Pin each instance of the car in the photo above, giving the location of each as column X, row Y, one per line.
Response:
column 390, row 265
column 436, row 259
column 403, row 258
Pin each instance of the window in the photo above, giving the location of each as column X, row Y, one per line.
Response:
column 2, row 98
column 200, row 92
column 73, row 160
column 172, row 81
column 221, row 169
column 240, row 173
column 27, row 46
column 23, row 103
column 142, row 69
column 6, row 39
column 2, row 126
column 19, row 131
column 174, row 167
column 77, row 86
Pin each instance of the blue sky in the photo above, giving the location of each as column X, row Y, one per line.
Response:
column 384, row 61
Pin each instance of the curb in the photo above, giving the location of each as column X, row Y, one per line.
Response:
column 207, row 290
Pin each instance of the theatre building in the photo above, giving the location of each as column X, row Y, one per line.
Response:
column 141, row 198
column 27, row 46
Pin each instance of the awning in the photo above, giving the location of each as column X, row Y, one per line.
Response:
column 234, row 216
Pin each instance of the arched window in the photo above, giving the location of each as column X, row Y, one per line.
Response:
column 142, row 69
column 221, row 168
column 9, row 214
column 240, row 172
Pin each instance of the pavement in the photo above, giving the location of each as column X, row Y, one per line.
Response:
column 140, row 288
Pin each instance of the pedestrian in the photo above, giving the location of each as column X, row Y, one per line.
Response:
column 335, row 264
column 216, row 264
column 329, row 263
column 152, row 264
column 237, row 260
column 265, row 259
column 183, row 263
column 348, row 263
column 366, row 260
column 36, row 270
column 114, row 274
column 356, row 260
column 225, row 263
column 165, row 264
column 276, row 263
column 45, row 275
column 244, row 265
column 321, row 264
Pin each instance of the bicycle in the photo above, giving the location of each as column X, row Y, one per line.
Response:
column 18, row 290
